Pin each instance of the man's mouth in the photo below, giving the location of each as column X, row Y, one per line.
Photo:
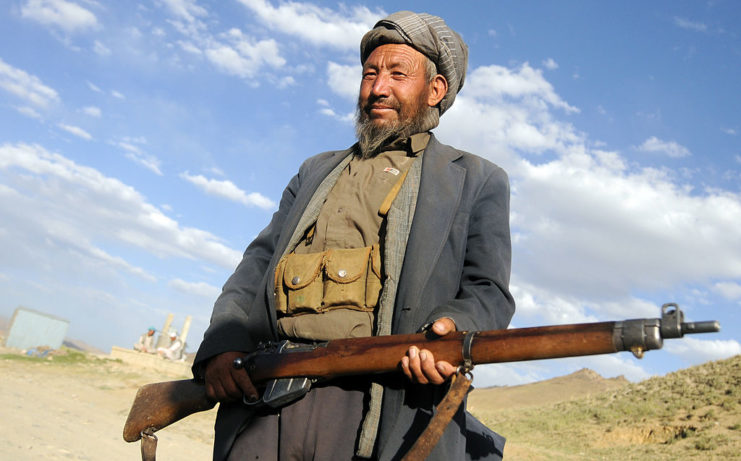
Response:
column 382, row 105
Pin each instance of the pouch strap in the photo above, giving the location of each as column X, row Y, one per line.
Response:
column 386, row 204
column 444, row 413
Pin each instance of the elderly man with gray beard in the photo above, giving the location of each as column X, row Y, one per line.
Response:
column 397, row 234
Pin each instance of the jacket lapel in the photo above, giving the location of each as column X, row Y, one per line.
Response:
column 308, row 188
column 304, row 195
column 439, row 195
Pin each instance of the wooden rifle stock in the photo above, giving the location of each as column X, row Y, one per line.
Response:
column 160, row 404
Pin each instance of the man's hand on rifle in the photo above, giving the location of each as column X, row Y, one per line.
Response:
column 226, row 383
column 420, row 366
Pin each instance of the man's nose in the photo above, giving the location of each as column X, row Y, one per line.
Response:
column 380, row 86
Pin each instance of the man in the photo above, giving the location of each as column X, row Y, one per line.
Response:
column 175, row 350
column 146, row 342
column 396, row 234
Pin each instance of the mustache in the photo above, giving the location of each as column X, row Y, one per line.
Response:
column 386, row 101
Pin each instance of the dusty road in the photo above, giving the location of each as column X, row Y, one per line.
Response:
column 62, row 411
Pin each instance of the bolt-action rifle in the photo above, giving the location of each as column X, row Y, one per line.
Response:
column 286, row 370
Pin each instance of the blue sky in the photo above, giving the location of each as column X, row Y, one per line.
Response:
column 144, row 144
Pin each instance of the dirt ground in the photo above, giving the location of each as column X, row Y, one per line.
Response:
column 56, row 411
column 76, row 409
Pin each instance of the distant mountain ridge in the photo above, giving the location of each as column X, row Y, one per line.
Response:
column 581, row 383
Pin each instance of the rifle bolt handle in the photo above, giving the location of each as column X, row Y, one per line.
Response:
column 238, row 363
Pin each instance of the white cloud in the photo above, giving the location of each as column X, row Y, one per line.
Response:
column 729, row 290
column 189, row 47
column 68, row 16
column 76, row 130
column 92, row 111
column 117, row 94
column 525, row 84
column 244, row 57
column 56, row 201
column 696, row 351
column 549, row 305
column 506, row 110
column 100, row 49
column 186, row 9
column 228, row 190
column 149, row 162
column 591, row 227
column 285, row 82
column 26, row 86
column 690, row 25
column 316, row 25
column 138, row 156
column 28, row 112
column 550, row 64
column 344, row 80
column 93, row 87
column 587, row 225
column 231, row 52
column 202, row 289
column 670, row 148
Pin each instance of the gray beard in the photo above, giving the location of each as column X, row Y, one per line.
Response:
column 371, row 137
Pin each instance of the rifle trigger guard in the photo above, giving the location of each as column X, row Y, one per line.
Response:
column 467, row 343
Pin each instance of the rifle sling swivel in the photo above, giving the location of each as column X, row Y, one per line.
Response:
column 467, row 344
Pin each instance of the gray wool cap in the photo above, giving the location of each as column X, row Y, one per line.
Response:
column 430, row 36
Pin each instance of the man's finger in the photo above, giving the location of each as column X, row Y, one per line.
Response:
column 415, row 366
column 445, row 369
column 244, row 384
column 405, row 367
column 443, row 326
column 215, row 391
column 427, row 363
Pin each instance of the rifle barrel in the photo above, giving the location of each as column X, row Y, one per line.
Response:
column 709, row 326
column 381, row 354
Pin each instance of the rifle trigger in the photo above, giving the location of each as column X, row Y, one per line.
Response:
column 467, row 343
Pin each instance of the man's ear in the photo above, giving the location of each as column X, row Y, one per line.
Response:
column 438, row 88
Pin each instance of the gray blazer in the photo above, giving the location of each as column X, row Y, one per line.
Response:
column 457, row 265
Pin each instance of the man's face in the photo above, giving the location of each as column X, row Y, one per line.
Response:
column 394, row 87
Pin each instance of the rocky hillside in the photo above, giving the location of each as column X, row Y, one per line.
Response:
column 689, row 414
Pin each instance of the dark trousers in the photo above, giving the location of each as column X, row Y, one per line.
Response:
column 323, row 425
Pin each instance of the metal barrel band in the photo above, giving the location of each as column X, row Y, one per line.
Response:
column 466, row 352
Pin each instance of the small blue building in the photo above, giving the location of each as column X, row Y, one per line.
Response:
column 30, row 328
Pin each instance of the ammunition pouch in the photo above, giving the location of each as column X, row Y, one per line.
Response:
column 332, row 279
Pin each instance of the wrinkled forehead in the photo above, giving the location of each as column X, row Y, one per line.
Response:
column 394, row 55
